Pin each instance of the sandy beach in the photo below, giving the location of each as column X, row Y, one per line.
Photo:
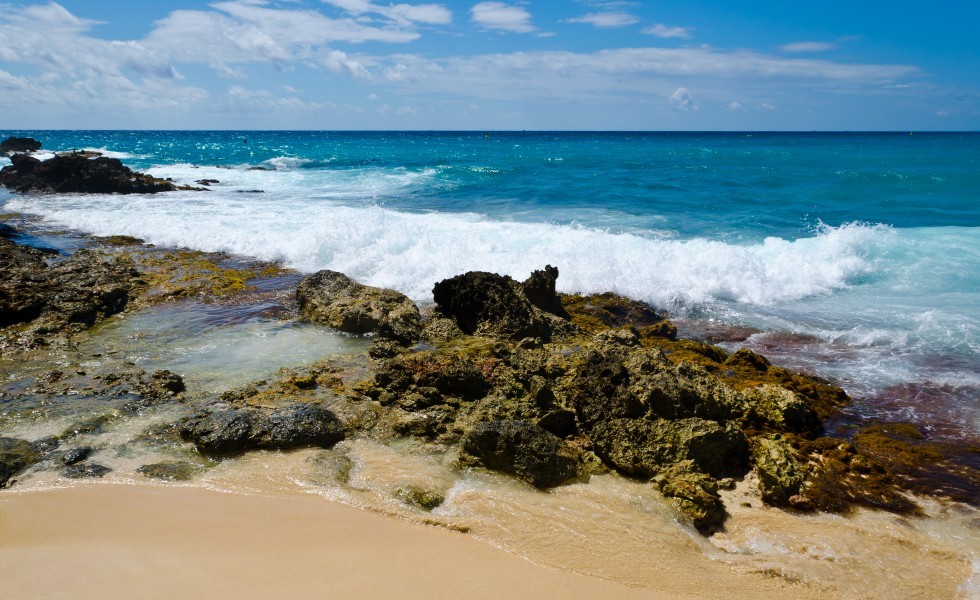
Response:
column 127, row 541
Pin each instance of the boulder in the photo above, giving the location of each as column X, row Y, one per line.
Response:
column 75, row 173
column 522, row 449
column 775, row 407
column 15, row 456
column 15, row 145
column 226, row 431
column 333, row 299
column 641, row 448
column 76, row 455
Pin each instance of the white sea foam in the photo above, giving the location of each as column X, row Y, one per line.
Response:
column 410, row 252
column 116, row 154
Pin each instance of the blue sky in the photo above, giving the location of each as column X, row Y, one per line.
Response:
column 576, row 64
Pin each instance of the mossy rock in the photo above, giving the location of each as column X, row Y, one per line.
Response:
column 780, row 467
column 16, row 455
column 170, row 470
column 419, row 496
column 694, row 494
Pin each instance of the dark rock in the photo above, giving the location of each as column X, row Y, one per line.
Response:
column 76, row 455
column 641, row 448
column 160, row 385
column 524, row 450
column 595, row 312
column 90, row 426
column 15, row 456
column 233, row 430
column 333, row 299
column 13, row 145
column 539, row 289
column 170, row 470
column 85, row 471
column 207, row 181
column 74, row 173
column 491, row 305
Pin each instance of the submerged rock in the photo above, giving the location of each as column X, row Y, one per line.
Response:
column 170, row 470
column 75, row 173
column 333, row 299
column 234, row 430
column 16, row 455
column 419, row 497
column 85, row 471
column 525, row 450
column 76, row 455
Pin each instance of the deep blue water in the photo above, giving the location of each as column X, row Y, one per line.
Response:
column 864, row 248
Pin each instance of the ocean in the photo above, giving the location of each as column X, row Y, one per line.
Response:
column 855, row 256
column 852, row 256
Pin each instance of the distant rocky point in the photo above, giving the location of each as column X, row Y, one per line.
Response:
column 75, row 172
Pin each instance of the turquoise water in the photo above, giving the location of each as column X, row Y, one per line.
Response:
column 856, row 256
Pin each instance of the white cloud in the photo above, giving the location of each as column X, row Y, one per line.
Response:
column 606, row 19
column 767, row 106
column 339, row 62
column 942, row 113
column 735, row 106
column 808, row 47
column 430, row 14
column 663, row 31
column 506, row 17
column 681, row 99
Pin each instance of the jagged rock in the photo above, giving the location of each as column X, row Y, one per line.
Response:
column 14, row 145
column 523, row 449
column 75, row 173
column 333, row 299
column 781, row 469
column 494, row 305
column 641, row 447
column 15, row 456
column 160, row 385
column 234, row 430
column 693, row 493
column 596, row 312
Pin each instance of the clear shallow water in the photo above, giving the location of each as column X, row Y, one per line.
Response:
column 857, row 255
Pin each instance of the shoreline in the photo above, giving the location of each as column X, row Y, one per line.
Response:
column 70, row 541
column 123, row 541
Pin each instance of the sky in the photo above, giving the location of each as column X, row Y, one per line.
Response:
column 490, row 65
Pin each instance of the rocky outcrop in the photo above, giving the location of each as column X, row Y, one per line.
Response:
column 15, row 456
column 225, row 431
column 73, row 173
column 523, row 449
column 780, row 468
column 83, row 289
column 333, row 299
column 492, row 305
column 15, row 145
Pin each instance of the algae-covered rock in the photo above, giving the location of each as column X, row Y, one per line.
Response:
column 15, row 456
column 780, row 468
column 419, row 496
column 333, row 299
column 596, row 312
column 234, row 430
column 170, row 470
column 776, row 407
column 85, row 471
column 693, row 493
column 642, row 448
column 523, row 449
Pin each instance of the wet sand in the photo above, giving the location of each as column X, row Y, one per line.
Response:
column 139, row 541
